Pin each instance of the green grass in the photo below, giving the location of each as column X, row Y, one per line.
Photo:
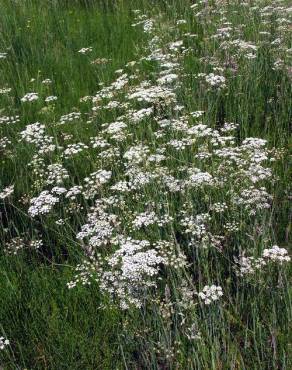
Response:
column 52, row 327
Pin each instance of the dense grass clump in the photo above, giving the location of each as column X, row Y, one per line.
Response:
column 144, row 184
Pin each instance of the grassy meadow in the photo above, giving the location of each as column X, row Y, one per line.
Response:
column 145, row 184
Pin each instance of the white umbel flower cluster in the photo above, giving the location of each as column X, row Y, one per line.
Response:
column 276, row 254
column 74, row 149
column 250, row 265
column 56, row 174
column 30, row 97
column 8, row 120
column 94, row 181
column 216, row 81
column 132, row 268
column 70, row 117
column 144, row 219
column 6, row 192
column 4, row 343
column 35, row 134
column 51, row 98
column 210, row 293
column 198, row 178
column 42, row 204
column 85, row 50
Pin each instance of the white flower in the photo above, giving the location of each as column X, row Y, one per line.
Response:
column 14, row 245
column 56, row 174
column 215, row 80
column 3, row 343
column 8, row 120
column 50, row 98
column 42, row 204
column 210, row 293
column 248, row 265
column 29, row 97
column 198, row 178
column 74, row 149
column 137, row 116
column 253, row 199
column 58, row 190
column 276, row 254
column 122, row 186
column 136, row 154
column 85, row 50
column 99, row 229
column 144, row 219
column 5, row 90
column 73, row 116
column 153, row 94
column 36, row 244
column 35, row 134
column 47, row 81
column 167, row 79
column 94, row 181
column 6, row 192
column 72, row 192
